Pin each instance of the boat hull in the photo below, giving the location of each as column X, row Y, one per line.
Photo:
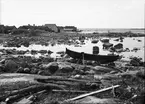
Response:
column 99, row 58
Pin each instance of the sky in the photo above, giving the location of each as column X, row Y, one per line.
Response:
column 79, row 13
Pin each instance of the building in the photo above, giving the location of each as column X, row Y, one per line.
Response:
column 68, row 29
column 52, row 27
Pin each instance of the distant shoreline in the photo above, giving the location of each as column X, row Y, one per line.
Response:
column 116, row 28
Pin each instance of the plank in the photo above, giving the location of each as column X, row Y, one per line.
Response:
column 91, row 93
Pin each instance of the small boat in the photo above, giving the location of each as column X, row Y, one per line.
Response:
column 102, row 59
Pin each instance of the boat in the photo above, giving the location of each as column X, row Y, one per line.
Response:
column 102, row 59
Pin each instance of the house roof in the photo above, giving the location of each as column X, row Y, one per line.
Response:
column 52, row 26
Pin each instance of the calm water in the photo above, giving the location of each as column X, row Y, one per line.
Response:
column 105, row 30
column 88, row 46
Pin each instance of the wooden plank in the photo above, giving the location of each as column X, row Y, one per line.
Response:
column 91, row 93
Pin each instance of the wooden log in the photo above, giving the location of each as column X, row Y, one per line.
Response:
column 34, row 88
column 71, row 91
column 31, row 98
column 91, row 93
column 44, row 80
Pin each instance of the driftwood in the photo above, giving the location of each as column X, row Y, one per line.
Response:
column 34, row 88
column 91, row 93
column 45, row 80
column 71, row 91
column 66, row 83
column 31, row 98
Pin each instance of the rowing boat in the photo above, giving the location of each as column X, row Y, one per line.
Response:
column 85, row 56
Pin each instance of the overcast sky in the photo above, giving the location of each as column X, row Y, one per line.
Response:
column 79, row 13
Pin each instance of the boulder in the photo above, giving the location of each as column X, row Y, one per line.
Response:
column 27, row 70
column 95, row 41
column 51, row 67
column 141, row 74
column 10, row 66
column 118, row 46
column 65, row 68
column 135, row 61
column 107, row 45
column 34, row 71
column 105, row 40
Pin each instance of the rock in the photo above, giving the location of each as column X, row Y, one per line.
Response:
column 51, row 67
column 34, row 71
column 90, row 72
column 118, row 46
column 10, row 66
column 43, row 51
column 49, row 52
column 60, row 52
column 135, row 49
column 116, row 40
column 27, row 70
column 95, row 41
column 135, row 61
column 107, row 45
column 105, row 40
column 40, row 72
column 33, row 52
column 127, row 50
column 2, row 61
column 141, row 74
column 1, row 68
column 77, row 76
column 65, row 68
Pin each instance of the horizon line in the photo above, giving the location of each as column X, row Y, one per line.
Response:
column 81, row 27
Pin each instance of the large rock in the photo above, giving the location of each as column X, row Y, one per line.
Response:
column 65, row 68
column 141, row 74
column 10, row 66
column 107, row 45
column 118, row 46
column 51, row 67
column 135, row 61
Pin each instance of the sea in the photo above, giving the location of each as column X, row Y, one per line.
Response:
column 106, row 30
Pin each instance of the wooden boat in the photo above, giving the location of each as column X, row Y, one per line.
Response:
column 99, row 58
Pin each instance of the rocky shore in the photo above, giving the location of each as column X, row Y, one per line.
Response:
column 64, row 80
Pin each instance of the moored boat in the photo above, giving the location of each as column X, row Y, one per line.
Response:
column 85, row 56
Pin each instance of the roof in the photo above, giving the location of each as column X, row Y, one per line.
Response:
column 52, row 27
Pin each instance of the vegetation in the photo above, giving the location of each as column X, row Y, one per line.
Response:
column 25, row 29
